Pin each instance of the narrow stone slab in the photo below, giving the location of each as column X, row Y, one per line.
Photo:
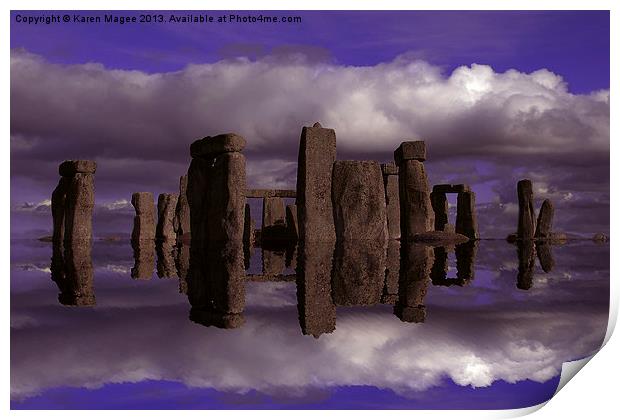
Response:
column 72, row 167
column 526, row 226
column 291, row 221
column 544, row 225
column 209, row 147
column 440, row 207
column 79, row 205
column 358, row 199
column 392, row 270
column 389, row 168
column 166, row 205
column 392, row 204
column 144, row 222
column 414, row 279
column 416, row 211
column 72, row 271
column 451, row 188
column 264, row 193
column 59, row 196
column 466, row 221
column 317, row 154
column 410, row 150
column 181, row 213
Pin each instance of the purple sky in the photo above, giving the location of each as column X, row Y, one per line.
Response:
column 498, row 96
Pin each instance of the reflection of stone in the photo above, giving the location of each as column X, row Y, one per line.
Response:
column 392, row 269
column 166, row 207
column 416, row 261
column 527, row 258
column 358, row 200
column 545, row 256
column 317, row 153
column 144, row 220
column 248, row 236
column 465, row 259
column 182, row 265
column 58, row 209
column 291, row 256
column 291, row 222
column 144, row 259
column 165, row 260
column 317, row 312
column 526, row 226
column 274, row 227
column 466, row 222
column 359, row 273
column 72, row 271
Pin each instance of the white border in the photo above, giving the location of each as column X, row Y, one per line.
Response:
column 593, row 394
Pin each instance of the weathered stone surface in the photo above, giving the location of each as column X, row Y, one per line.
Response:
column 263, row 193
column 317, row 311
column 144, row 259
column 527, row 257
column 466, row 221
column 416, row 262
column 79, row 204
column 273, row 262
column 198, row 176
column 209, row 147
column 166, row 267
column 72, row 271
column 226, row 203
column 392, row 200
column 291, row 256
column 416, row 211
column 440, row 238
column 317, row 154
column 600, row 237
column 181, row 213
column 144, row 221
column 181, row 261
column 274, row 220
column 358, row 200
column 451, row 188
column 449, row 228
column 544, row 225
column 526, row 226
column 389, row 294
column 389, row 168
column 291, row 222
column 410, row 150
column 359, row 272
column 71, row 167
column 166, row 205
column 440, row 207
column 465, row 261
column 58, row 209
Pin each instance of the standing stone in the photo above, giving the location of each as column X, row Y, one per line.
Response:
column 465, row 261
column 544, row 226
column 526, row 226
column 439, row 201
column 317, row 154
column 144, row 220
column 317, row 311
column 181, row 214
column 79, row 205
column 166, row 205
column 416, row 211
column 466, row 222
column 392, row 201
column 392, row 269
column 274, row 219
column 291, row 222
column 358, row 200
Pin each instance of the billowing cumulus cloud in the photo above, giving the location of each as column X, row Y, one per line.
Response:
column 138, row 126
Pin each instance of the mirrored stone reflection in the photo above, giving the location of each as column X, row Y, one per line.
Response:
column 72, row 271
column 144, row 259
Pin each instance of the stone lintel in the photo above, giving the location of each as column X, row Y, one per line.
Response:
column 451, row 188
column 265, row 193
column 72, row 167
column 410, row 150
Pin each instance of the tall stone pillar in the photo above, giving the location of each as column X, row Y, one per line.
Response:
column 144, row 220
column 416, row 212
column 439, row 201
column 166, row 206
column 525, row 193
column 392, row 201
column 466, row 222
column 544, row 226
column 73, row 201
column 216, row 197
column 181, row 213
column 317, row 154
